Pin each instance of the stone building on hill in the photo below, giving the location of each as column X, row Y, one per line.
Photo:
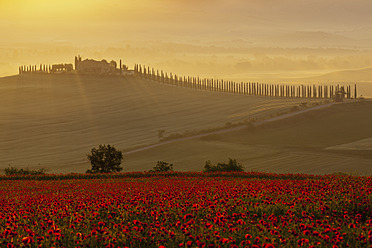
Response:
column 93, row 67
column 60, row 68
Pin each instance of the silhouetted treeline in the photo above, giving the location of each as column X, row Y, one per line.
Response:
column 45, row 68
column 251, row 88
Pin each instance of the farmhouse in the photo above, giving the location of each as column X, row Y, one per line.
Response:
column 93, row 67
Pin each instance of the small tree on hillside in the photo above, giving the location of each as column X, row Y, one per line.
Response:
column 232, row 165
column 162, row 166
column 208, row 167
column 161, row 134
column 105, row 159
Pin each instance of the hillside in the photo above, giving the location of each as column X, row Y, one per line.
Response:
column 361, row 77
column 53, row 121
column 305, row 143
column 358, row 75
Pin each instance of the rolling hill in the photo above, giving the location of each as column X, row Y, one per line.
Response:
column 53, row 121
column 310, row 142
column 358, row 75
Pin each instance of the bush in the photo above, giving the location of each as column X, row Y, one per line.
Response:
column 105, row 159
column 162, row 166
column 161, row 134
column 14, row 171
column 232, row 165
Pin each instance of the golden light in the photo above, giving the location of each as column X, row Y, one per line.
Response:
column 46, row 9
column 69, row 13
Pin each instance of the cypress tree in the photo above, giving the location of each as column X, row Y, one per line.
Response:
column 355, row 91
column 350, row 96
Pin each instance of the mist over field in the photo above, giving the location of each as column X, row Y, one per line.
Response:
column 235, row 40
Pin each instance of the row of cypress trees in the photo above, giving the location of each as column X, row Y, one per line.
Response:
column 251, row 88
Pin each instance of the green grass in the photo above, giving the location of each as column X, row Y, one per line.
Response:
column 53, row 121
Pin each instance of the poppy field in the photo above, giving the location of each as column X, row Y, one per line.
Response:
column 187, row 210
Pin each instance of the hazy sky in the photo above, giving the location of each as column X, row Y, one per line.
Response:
column 103, row 21
column 196, row 37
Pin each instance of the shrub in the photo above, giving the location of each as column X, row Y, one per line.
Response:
column 162, row 166
column 161, row 134
column 105, row 159
column 14, row 171
column 232, row 165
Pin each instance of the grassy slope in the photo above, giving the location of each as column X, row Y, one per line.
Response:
column 293, row 145
column 53, row 121
column 359, row 75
